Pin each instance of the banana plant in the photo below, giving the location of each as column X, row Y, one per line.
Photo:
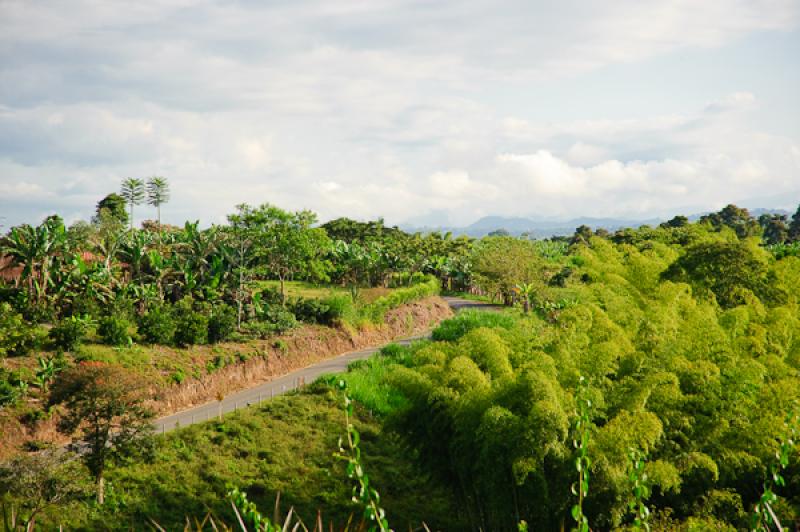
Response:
column 45, row 373
column 525, row 291
column 34, row 249
column 133, row 251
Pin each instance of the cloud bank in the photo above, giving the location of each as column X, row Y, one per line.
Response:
column 380, row 108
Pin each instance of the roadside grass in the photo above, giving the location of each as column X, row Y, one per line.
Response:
column 367, row 380
column 454, row 328
column 468, row 296
column 286, row 447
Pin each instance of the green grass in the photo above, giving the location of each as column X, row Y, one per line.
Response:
column 454, row 328
column 285, row 446
column 314, row 291
column 367, row 380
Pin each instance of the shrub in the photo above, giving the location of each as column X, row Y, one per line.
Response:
column 36, row 312
column 281, row 320
column 83, row 305
column 376, row 311
column 467, row 320
column 157, row 325
column 115, row 330
column 12, row 387
column 69, row 333
column 221, row 324
column 192, row 328
column 340, row 309
column 178, row 377
column 122, row 306
column 276, row 321
column 311, row 310
column 9, row 394
column 17, row 337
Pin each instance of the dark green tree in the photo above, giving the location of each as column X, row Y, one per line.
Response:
column 737, row 218
column 724, row 268
column 116, row 207
column 775, row 229
column 106, row 406
column 794, row 226
column 676, row 221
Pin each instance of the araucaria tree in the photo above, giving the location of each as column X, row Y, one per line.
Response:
column 157, row 194
column 133, row 192
column 106, row 405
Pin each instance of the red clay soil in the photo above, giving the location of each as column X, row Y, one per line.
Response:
column 271, row 358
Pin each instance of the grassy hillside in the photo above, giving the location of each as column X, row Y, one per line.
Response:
column 283, row 447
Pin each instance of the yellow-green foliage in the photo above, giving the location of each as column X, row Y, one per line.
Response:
column 696, row 375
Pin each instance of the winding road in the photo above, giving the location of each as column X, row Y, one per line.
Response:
column 290, row 381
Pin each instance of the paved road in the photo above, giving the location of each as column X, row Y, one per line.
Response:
column 288, row 382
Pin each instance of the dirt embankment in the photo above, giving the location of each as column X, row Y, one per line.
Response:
column 267, row 360
column 301, row 348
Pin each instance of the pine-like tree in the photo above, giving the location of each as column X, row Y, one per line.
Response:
column 157, row 194
column 133, row 192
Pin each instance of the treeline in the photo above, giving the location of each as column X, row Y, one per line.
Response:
column 186, row 285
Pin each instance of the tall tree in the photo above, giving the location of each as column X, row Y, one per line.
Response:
column 501, row 263
column 157, row 194
column 737, row 218
column 287, row 243
column 106, row 405
column 115, row 205
column 775, row 228
column 794, row 227
column 724, row 268
column 133, row 192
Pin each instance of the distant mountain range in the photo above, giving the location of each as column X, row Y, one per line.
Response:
column 543, row 228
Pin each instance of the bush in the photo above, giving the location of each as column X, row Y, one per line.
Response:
column 157, row 325
column 376, row 311
column 115, row 330
column 310, row 310
column 69, row 333
column 221, row 324
column 467, row 320
column 340, row 309
column 83, row 305
column 9, row 394
column 17, row 337
column 122, row 306
column 276, row 321
column 192, row 328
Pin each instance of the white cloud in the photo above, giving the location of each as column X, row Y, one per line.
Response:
column 370, row 108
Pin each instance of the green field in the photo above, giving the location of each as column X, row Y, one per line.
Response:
column 286, row 447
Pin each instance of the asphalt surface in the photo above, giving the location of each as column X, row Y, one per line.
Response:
column 288, row 382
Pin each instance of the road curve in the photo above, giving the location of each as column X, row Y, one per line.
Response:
column 290, row 381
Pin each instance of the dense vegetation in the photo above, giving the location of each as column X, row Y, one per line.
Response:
column 663, row 362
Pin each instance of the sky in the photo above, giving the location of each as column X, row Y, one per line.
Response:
column 421, row 112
